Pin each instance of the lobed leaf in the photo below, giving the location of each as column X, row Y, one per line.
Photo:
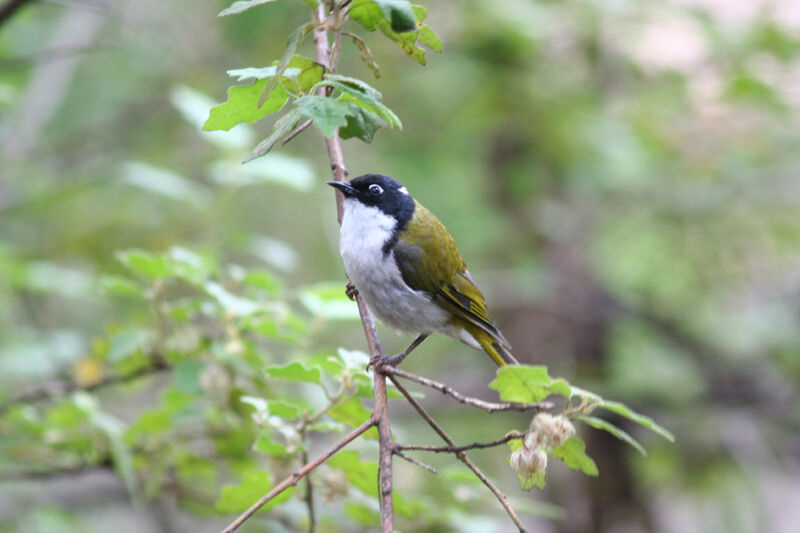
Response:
column 328, row 114
column 573, row 454
column 243, row 106
column 430, row 39
column 362, row 125
column 407, row 42
column 527, row 384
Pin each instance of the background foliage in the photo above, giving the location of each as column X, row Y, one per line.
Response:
column 620, row 177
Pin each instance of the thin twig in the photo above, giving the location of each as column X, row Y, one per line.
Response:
column 297, row 131
column 46, row 391
column 312, row 520
column 414, row 461
column 461, row 455
column 490, row 407
column 67, row 471
column 457, row 449
column 300, row 474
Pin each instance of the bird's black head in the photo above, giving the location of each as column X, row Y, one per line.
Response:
column 383, row 192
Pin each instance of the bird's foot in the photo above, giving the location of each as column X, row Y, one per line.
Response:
column 379, row 361
column 351, row 292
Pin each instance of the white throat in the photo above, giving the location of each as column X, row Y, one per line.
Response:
column 364, row 231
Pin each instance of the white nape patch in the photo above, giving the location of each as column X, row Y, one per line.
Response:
column 403, row 190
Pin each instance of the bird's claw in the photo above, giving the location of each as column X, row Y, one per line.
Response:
column 351, row 292
column 379, row 361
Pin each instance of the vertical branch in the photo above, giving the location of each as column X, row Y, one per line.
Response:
column 312, row 519
column 381, row 412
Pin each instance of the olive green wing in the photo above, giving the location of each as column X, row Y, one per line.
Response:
column 429, row 261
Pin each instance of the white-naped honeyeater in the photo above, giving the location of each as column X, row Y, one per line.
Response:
column 404, row 263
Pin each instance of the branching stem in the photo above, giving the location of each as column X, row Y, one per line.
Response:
column 490, row 407
column 300, row 474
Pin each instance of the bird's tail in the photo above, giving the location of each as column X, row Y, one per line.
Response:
column 497, row 347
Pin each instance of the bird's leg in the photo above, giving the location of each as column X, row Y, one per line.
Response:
column 395, row 360
column 351, row 291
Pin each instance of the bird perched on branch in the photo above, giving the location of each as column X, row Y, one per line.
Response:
column 402, row 260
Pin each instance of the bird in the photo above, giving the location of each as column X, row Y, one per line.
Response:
column 405, row 264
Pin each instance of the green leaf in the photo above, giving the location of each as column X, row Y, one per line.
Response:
column 356, row 91
column 362, row 125
column 121, row 286
column 294, row 39
column 251, row 73
column 623, row 410
column 527, row 384
column 261, row 279
column 243, row 105
column 599, row 423
column 240, row 6
column 370, row 105
column 144, row 263
column 267, row 445
column 572, row 452
column 254, row 485
column 310, row 74
column 362, row 475
column 351, row 412
column 231, row 303
column 328, row 114
column 367, row 13
column 189, row 266
column 405, row 41
column 124, row 344
column 430, row 39
column 399, row 13
column 351, row 84
column 284, row 409
column 426, row 35
column 113, row 429
column 295, row 371
column 283, row 127
column 366, row 55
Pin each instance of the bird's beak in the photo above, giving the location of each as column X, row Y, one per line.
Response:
column 345, row 187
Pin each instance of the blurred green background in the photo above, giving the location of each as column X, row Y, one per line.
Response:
column 620, row 176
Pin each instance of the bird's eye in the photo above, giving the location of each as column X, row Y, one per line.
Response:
column 375, row 189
